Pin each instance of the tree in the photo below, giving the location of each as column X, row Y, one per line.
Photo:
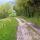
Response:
column 21, row 7
column 5, row 10
column 27, row 8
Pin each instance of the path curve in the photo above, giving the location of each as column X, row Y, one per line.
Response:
column 23, row 33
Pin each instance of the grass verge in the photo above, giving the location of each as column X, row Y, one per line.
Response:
column 33, row 20
column 8, row 29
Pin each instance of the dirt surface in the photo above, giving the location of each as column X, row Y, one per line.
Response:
column 25, row 32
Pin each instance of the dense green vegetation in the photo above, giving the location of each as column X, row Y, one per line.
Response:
column 5, row 10
column 8, row 23
column 29, row 9
column 8, row 29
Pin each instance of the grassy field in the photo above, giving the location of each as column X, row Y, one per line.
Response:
column 8, row 29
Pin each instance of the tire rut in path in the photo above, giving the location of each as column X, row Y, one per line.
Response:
column 23, row 33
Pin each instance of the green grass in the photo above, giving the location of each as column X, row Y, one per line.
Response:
column 8, row 29
column 33, row 20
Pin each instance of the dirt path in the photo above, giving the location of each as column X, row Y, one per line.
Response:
column 25, row 32
column 33, row 26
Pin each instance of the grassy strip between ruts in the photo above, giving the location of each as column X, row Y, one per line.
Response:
column 8, row 28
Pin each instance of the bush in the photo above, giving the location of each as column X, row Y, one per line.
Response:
column 13, row 14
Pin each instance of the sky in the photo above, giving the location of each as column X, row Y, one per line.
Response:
column 4, row 1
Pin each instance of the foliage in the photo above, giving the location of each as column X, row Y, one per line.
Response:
column 12, row 15
column 5, row 10
column 27, row 8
